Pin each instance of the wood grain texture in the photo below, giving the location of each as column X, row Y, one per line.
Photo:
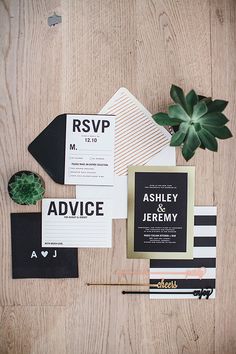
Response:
column 223, row 34
column 76, row 66
column 33, row 329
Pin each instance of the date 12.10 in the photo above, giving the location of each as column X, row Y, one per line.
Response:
column 90, row 140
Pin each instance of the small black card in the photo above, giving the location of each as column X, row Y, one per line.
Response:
column 30, row 260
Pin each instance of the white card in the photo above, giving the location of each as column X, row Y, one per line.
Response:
column 89, row 149
column 84, row 222
column 118, row 193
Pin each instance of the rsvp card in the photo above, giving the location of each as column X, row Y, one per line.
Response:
column 89, row 149
column 77, row 149
column 76, row 223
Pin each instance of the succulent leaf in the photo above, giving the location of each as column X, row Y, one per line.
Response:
column 177, row 95
column 216, row 106
column 178, row 138
column 164, row 119
column 208, row 140
column 199, row 110
column 192, row 140
column 215, row 119
column 207, row 100
column 191, row 100
column 187, row 153
column 177, row 111
column 219, row 132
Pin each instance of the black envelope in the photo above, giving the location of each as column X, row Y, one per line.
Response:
column 49, row 148
column 30, row 260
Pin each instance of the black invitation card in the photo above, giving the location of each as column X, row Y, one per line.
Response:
column 160, row 212
column 30, row 260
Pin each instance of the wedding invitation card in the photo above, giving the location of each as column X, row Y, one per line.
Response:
column 76, row 223
column 77, row 149
column 182, row 275
column 160, row 212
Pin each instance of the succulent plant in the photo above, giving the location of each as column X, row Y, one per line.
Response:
column 26, row 188
column 196, row 120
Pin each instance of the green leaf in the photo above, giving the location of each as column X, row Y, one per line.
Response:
column 197, row 127
column 164, row 119
column 192, row 141
column 199, row 110
column 178, row 138
column 219, row 132
column 207, row 100
column 191, row 100
column 216, row 106
column 187, row 153
column 177, row 111
column 215, row 119
column 177, row 95
column 202, row 147
column 200, row 97
column 208, row 140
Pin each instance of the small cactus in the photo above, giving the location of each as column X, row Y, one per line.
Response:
column 26, row 188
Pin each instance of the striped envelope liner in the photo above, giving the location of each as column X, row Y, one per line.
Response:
column 189, row 275
column 137, row 137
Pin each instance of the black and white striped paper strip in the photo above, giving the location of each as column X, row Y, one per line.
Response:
column 189, row 275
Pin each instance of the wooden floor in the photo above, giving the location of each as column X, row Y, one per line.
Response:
column 76, row 66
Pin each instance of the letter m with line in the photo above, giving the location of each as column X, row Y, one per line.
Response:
column 72, row 147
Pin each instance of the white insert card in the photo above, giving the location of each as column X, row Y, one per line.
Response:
column 89, row 149
column 76, row 223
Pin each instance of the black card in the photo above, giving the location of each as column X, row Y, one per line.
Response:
column 30, row 260
column 160, row 212
column 157, row 205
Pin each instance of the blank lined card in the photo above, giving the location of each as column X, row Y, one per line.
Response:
column 137, row 137
column 76, row 223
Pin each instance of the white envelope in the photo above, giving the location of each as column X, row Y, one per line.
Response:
column 146, row 143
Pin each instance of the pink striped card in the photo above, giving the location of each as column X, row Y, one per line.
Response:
column 137, row 137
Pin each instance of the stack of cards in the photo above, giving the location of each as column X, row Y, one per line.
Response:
column 92, row 152
column 164, row 226
column 182, row 275
column 95, row 153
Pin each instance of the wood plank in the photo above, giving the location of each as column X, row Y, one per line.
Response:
column 32, row 329
column 223, row 34
column 134, row 324
column 30, row 68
